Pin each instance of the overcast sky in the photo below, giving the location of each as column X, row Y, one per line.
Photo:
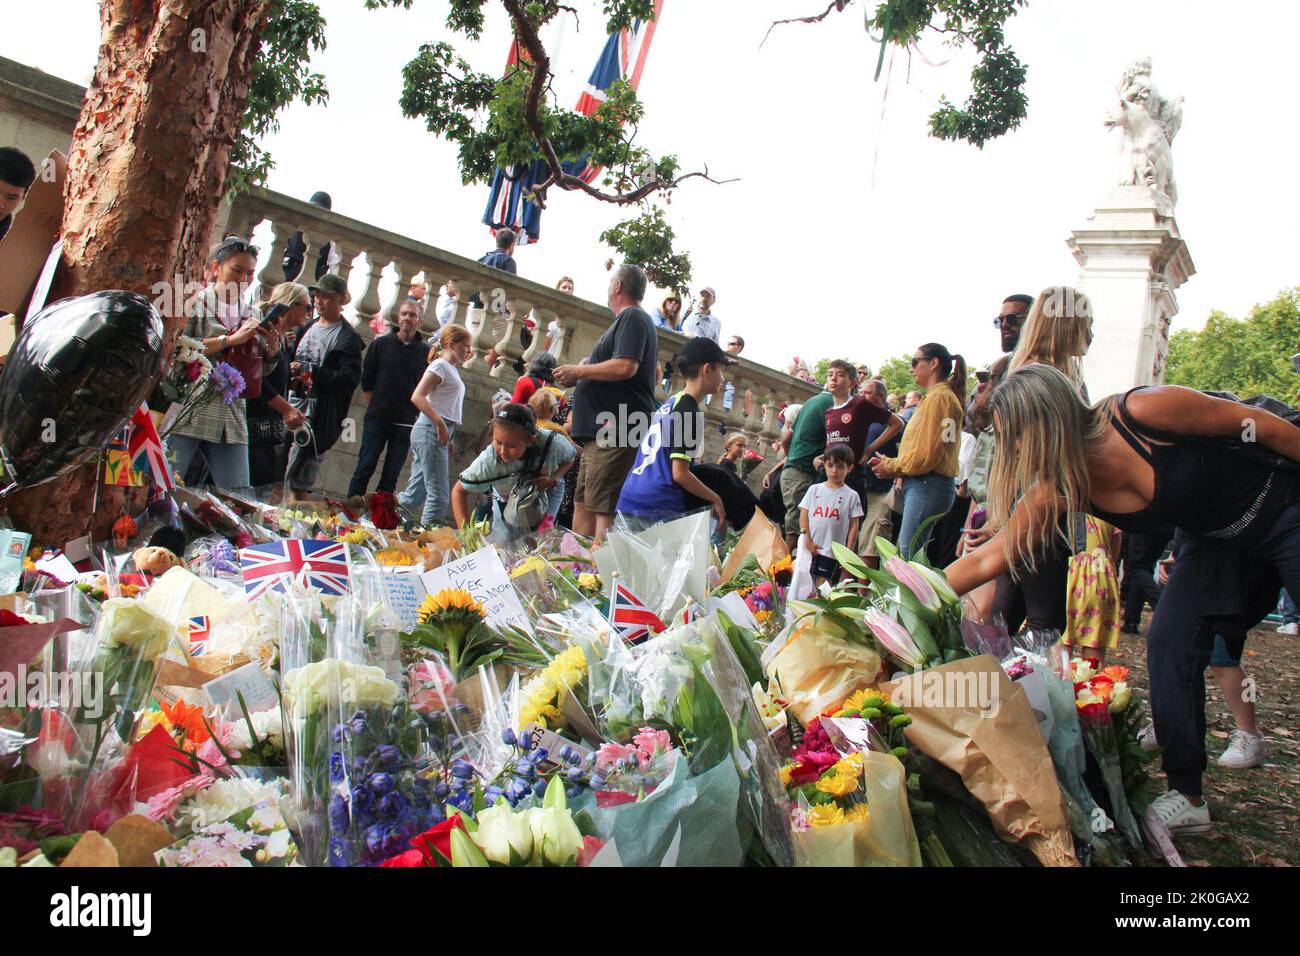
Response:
column 851, row 232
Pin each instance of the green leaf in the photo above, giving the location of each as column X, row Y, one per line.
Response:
column 555, row 798
column 464, row 852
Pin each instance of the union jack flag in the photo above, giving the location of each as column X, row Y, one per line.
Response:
column 274, row 566
column 200, row 630
column 143, row 442
column 631, row 618
column 623, row 58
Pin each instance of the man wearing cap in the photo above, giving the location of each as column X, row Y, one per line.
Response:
column 612, row 402
column 392, row 367
column 661, row 484
column 325, row 371
column 702, row 321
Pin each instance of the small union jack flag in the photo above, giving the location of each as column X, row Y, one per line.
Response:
column 143, row 442
column 200, row 630
column 274, row 566
column 631, row 618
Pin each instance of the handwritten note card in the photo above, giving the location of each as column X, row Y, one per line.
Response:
column 483, row 575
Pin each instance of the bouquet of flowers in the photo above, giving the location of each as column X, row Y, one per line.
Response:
column 193, row 379
column 1098, row 693
column 751, row 460
column 454, row 625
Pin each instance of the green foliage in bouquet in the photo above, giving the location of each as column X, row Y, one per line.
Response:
column 454, row 624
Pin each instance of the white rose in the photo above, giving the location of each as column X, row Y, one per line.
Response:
column 500, row 830
column 128, row 623
column 556, row 839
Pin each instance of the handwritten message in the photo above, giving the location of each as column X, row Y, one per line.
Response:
column 483, row 575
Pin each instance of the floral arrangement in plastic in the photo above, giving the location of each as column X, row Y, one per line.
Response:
column 545, row 693
column 749, row 461
column 453, row 624
column 1109, row 724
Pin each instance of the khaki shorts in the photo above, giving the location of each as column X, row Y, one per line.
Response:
column 879, row 520
column 794, row 485
column 601, row 474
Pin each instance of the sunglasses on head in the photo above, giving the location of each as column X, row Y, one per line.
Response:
column 238, row 245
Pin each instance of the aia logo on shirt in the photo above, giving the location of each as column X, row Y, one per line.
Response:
column 826, row 511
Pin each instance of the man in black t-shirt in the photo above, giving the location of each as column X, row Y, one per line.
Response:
column 613, row 402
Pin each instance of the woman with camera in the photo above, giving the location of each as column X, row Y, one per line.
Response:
column 270, row 416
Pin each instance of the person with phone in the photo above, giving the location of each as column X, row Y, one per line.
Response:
column 270, row 416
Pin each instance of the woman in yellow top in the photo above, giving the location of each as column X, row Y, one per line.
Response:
column 927, row 457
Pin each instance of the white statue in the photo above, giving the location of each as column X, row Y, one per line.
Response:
column 1149, row 123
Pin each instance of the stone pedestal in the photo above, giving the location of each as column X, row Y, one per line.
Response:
column 1133, row 260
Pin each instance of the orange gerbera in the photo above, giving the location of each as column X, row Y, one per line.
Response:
column 188, row 719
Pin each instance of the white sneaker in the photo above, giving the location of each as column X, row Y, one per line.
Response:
column 1180, row 816
column 1147, row 738
column 1288, row 628
column 1244, row 751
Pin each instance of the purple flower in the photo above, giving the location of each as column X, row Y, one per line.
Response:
column 381, row 782
column 228, row 382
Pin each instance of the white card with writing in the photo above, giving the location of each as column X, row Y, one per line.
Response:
column 406, row 593
column 483, row 575
column 249, row 680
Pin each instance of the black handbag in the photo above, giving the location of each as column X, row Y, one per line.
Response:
column 266, row 431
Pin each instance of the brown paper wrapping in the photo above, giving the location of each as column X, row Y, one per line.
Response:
column 816, row 670
column 760, row 538
column 1001, row 756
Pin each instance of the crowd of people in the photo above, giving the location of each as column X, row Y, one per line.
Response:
column 1048, row 512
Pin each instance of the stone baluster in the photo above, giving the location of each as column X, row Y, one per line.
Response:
column 272, row 273
column 404, row 279
column 508, row 347
column 315, row 243
column 480, row 322
column 560, row 344
column 367, row 304
column 543, row 317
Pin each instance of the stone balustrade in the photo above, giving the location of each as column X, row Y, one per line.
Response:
column 759, row 391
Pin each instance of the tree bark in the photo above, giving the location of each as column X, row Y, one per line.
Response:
column 146, row 176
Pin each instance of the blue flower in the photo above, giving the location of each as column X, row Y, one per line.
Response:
column 441, row 790
column 540, row 755
column 381, row 782
column 388, row 756
column 392, row 805
column 362, row 798
column 508, row 737
column 462, row 769
column 358, row 725
column 337, row 767
column 339, row 816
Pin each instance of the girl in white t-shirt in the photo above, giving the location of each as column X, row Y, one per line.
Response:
column 440, row 397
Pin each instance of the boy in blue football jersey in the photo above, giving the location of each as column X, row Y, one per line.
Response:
column 660, row 481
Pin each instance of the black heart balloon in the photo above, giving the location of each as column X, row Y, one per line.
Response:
column 78, row 371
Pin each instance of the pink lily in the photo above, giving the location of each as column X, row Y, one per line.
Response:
column 914, row 581
column 895, row 639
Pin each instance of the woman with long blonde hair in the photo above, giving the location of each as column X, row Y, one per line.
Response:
column 733, row 450
column 1224, row 473
column 1057, row 332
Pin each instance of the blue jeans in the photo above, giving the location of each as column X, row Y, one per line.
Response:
column 376, row 433
column 227, row 463
column 429, row 487
column 924, row 496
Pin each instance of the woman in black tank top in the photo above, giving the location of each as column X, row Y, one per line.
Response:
column 1155, row 457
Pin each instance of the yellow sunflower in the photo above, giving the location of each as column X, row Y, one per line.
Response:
column 451, row 604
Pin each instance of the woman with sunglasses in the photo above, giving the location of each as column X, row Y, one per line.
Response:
column 221, row 318
column 1222, row 472
column 927, row 457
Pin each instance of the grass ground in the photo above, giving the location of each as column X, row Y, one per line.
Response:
column 1256, row 812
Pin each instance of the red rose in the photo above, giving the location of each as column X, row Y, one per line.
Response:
column 1097, row 713
column 436, row 838
column 409, row 858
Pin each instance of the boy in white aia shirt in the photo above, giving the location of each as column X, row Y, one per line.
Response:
column 829, row 512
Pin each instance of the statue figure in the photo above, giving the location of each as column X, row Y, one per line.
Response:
column 1149, row 122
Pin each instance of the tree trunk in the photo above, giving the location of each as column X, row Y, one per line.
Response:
column 146, row 176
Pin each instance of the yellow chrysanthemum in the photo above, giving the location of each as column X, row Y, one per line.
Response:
column 850, row 766
column 527, row 566
column 864, row 698
column 786, row 773
column 545, row 691
column 858, row 813
column 588, row 582
column 837, row 784
column 451, row 602
column 825, row 815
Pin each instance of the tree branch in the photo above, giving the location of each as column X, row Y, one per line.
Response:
column 541, row 62
column 836, row 6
